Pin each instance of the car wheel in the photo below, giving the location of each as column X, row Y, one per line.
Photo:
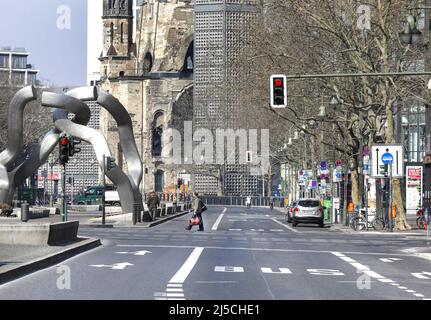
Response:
column 321, row 224
column 294, row 223
column 117, row 204
column 81, row 203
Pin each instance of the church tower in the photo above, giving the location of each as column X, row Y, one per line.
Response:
column 118, row 44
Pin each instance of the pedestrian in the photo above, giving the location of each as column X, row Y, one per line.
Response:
column 153, row 202
column 197, row 208
column 248, row 201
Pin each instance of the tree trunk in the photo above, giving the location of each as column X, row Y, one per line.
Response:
column 401, row 220
column 356, row 197
column 219, row 183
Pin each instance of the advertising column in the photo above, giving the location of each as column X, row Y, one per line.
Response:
column 414, row 188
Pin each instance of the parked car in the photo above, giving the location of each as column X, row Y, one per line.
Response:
column 289, row 212
column 93, row 195
column 308, row 211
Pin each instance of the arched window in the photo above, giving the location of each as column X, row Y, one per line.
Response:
column 112, row 32
column 157, row 132
column 122, row 31
column 189, row 59
column 123, row 4
column 159, row 181
column 148, row 63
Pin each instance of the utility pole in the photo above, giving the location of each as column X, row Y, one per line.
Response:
column 63, row 187
column 103, row 190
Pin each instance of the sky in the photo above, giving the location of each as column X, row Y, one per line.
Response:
column 55, row 34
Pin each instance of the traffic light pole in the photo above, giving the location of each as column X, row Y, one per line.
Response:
column 63, row 187
column 390, row 198
column 104, row 191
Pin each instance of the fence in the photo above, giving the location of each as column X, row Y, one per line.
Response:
column 240, row 201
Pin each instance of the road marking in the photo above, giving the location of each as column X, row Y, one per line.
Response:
column 347, row 259
column 422, row 275
column 285, row 225
column 216, row 224
column 137, row 253
column 235, row 229
column 257, row 230
column 411, row 291
column 386, row 280
column 276, row 230
column 325, row 272
column 174, row 290
column 228, row 269
column 226, row 281
column 116, row 266
column 187, row 267
column 174, row 285
column 390, row 260
column 260, row 249
column 419, row 295
column 281, row 270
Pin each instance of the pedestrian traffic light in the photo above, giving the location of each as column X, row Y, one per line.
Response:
column 64, row 150
column 110, row 163
column 278, row 91
column 72, row 147
column 384, row 170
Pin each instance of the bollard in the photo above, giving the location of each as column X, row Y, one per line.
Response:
column 174, row 207
column 136, row 213
column 24, row 211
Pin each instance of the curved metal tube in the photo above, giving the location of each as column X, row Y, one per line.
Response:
column 127, row 138
column 4, row 184
column 98, row 141
column 61, row 101
column 41, row 152
column 15, row 124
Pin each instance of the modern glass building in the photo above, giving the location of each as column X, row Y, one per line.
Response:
column 14, row 68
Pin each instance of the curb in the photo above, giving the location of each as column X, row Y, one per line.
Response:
column 142, row 225
column 48, row 261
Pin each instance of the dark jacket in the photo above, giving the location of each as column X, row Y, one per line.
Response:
column 153, row 200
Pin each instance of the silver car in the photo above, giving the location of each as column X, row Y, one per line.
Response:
column 308, row 211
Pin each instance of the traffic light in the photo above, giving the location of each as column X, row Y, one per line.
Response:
column 110, row 163
column 64, row 150
column 384, row 170
column 72, row 147
column 278, row 91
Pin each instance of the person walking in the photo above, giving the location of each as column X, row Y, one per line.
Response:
column 248, row 202
column 197, row 208
column 153, row 202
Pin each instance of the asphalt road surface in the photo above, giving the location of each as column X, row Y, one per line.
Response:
column 243, row 254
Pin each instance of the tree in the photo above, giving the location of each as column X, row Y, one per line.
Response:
column 304, row 37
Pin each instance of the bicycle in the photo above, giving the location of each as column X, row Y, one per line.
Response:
column 359, row 222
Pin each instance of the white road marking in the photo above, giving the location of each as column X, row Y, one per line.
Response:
column 419, row 295
column 178, row 295
column 235, row 229
column 228, row 269
column 276, row 230
column 410, row 291
column 257, row 230
column 422, row 275
column 227, row 281
column 116, row 266
column 285, row 225
column 402, row 288
column 386, row 280
column 281, row 270
column 359, row 266
column 325, row 272
column 390, row 260
column 137, row 253
column 187, row 267
column 347, row 259
column 174, row 290
column 174, row 285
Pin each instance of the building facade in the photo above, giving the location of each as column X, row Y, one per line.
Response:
column 14, row 67
column 221, row 37
column 151, row 76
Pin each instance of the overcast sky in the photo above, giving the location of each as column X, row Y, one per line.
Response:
column 57, row 44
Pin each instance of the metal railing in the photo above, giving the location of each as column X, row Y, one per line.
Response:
column 241, row 201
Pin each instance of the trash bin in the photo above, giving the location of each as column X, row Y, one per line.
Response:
column 24, row 211
column 174, row 208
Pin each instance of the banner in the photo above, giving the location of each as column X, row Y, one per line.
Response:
column 414, row 176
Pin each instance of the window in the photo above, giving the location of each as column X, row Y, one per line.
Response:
column 122, row 30
column 19, row 62
column 18, row 78
column 112, row 32
column 31, row 78
column 309, row 203
column 413, row 127
column 4, row 61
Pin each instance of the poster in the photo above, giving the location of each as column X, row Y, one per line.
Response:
column 414, row 176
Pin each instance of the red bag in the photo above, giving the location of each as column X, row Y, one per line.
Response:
column 195, row 221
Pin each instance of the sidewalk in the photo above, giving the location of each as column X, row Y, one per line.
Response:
column 19, row 260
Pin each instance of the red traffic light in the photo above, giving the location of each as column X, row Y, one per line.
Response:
column 278, row 82
column 64, row 141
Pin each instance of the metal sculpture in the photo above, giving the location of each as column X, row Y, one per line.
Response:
column 72, row 101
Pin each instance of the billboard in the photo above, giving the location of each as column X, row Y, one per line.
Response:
column 414, row 176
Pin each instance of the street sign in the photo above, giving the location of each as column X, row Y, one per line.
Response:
column 382, row 154
column 338, row 163
column 323, row 165
column 387, row 158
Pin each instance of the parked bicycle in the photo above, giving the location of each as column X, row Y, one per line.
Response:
column 421, row 220
column 359, row 222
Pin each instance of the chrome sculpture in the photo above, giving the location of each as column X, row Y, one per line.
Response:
column 63, row 104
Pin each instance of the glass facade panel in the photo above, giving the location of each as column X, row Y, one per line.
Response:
column 19, row 62
column 4, row 61
column 413, row 127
